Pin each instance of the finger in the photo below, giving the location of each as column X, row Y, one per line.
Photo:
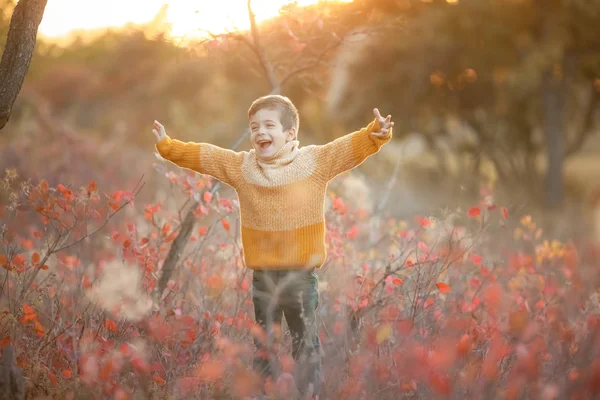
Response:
column 377, row 114
column 155, row 134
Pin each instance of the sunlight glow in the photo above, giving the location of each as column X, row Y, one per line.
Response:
column 187, row 17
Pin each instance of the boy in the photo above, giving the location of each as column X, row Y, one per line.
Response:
column 281, row 189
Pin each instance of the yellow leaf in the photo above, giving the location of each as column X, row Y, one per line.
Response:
column 383, row 333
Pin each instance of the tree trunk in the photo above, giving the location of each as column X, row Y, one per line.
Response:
column 12, row 386
column 18, row 51
column 553, row 127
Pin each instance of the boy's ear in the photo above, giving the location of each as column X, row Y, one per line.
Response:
column 291, row 134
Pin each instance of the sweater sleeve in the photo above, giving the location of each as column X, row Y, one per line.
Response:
column 349, row 151
column 222, row 164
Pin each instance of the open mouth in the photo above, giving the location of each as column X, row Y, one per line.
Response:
column 263, row 144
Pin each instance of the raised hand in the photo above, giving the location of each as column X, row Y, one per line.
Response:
column 159, row 131
column 385, row 124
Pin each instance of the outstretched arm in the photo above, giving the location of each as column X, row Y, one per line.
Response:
column 205, row 158
column 351, row 150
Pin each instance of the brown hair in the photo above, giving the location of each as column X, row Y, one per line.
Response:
column 288, row 113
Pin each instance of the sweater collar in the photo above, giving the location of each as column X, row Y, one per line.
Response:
column 284, row 156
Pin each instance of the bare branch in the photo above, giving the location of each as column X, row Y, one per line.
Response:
column 260, row 52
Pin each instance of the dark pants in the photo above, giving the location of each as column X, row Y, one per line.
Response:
column 292, row 293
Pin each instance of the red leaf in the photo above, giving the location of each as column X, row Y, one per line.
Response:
column 67, row 373
column 505, row 212
column 140, row 365
column 424, row 222
column 476, row 259
column 207, row 197
column 364, row 303
column 440, row 383
column 352, row 233
column 540, row 304
column 35, row 257
column 338, row 203
column 464, row 345
column 443, row 287
column 4, row 342
column 158, row 379
column 397, row 281
column 225, row 224
column 474, row 212
column 202, row 231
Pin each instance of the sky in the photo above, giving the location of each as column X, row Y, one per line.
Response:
column 186, row 16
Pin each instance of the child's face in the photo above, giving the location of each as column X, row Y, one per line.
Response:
column 267, row 134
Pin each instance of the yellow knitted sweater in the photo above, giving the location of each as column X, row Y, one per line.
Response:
column 282, row 198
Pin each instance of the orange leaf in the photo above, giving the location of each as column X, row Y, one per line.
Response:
column 397, row 281
column 4, row 342
column 27, row 309
column 53, row 379
column 207, row 197
column 443, row 287
column 225, row 224
column 3, row 259
column 110, row 325
column 474, row 212
column 92, row 187
column 505, row 212
column 44, row 267
column 35, row 257
column 67, row 373
column 158, row 379
column 44, row 186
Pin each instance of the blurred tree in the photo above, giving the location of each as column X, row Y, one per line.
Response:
column 20, row 44
column 519, row 79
